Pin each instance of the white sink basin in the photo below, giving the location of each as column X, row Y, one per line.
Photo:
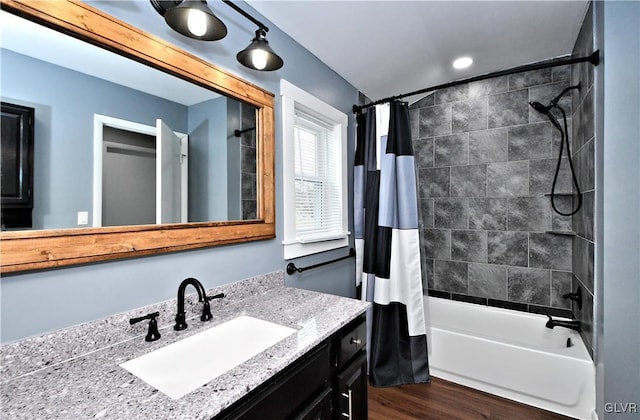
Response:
column 186, row 365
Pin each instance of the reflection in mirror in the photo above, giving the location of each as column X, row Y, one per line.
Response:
column 202, row 172
column 38, row 249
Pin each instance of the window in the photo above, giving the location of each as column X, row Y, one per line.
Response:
column 315, row 174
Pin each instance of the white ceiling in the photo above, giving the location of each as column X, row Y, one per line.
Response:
column 385, row 48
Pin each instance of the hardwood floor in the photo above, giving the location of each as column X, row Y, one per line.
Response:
column 443, row 400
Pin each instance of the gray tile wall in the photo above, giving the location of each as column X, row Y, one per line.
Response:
column 583, row 141
column 484, row 161
column 248, row 163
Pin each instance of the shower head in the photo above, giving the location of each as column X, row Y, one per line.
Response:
column 554, row 102
column 546, row 110
column 540, row 108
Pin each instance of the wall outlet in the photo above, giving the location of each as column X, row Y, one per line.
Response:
column 83, row 218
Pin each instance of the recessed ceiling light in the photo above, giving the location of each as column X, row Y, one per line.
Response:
column 462, row 62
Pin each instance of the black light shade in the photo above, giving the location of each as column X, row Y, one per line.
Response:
column 259, row 55
column 194, row 19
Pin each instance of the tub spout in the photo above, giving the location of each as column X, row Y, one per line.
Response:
column 573, row 324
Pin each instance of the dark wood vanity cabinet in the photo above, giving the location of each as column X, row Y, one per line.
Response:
column 350, row 396
column 294, row 393
column 16, row 168
column 352, row 390
column 329, row 382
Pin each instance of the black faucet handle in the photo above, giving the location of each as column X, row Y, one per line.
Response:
column 575, row 296
column 153, row 334
column 151, row 316
column 206, row 310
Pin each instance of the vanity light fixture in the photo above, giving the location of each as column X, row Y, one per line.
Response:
column 193, row 18
column 259, row 55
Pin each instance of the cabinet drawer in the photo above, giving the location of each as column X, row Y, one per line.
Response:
column 352, row 340
column 290, row 393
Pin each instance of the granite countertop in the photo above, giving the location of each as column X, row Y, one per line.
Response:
column 75, row 373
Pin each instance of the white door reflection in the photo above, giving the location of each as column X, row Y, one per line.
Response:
column 140, row 173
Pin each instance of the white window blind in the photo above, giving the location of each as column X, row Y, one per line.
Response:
column 314, row 173
column 318, row 188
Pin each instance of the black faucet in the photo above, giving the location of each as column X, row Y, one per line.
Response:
column 181, row 323
column 573, row 324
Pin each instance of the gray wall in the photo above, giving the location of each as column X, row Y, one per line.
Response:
column 241, row 161
column 583, row 151
column 248, row 154
column 215, row 164
column 208, row 123
column 63, row 179
column 618, row 219
column 233, row 160
column 34, row 303
column 485, row 160
column 128, row 179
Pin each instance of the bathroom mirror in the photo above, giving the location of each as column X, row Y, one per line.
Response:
column 247, row 108
column 101, row 120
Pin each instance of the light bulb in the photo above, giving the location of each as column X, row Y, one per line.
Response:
column 197, row 22
column 259, row 59
column 462, row 62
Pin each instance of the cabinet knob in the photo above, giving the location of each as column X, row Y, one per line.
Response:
column 356, row 341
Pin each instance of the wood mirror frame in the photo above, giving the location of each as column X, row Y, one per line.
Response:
column 42, row 249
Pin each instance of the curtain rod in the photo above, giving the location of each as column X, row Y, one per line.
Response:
column 594, row 59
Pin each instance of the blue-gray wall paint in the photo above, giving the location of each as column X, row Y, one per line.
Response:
column 38, row 302
column 618, row 223
column 234, row 165
column 64, row 129
column 207, row 160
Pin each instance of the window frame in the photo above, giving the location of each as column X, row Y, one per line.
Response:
column 293, row 99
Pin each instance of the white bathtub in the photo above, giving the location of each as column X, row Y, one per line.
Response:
column 510, row 354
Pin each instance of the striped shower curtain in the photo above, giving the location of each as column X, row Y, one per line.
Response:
column 387, row 246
